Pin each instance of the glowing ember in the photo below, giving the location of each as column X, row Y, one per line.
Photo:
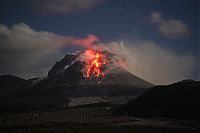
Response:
column 95, row 65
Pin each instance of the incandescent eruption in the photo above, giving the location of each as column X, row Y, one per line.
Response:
column 100, row 63
column 95, row 65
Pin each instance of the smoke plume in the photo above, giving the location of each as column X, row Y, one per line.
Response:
column 153, row 63
column 27, row 53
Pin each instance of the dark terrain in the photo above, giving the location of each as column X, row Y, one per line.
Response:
column 64, row 101
column 92, row 119
column 53, row 114
column 178, row 100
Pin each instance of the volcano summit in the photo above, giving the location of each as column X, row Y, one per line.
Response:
column 89, row 73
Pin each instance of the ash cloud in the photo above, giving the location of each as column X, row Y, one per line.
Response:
column 153, row 63
column 65, row 6
column 87, row 42
column 170, row 27
column 27, row 53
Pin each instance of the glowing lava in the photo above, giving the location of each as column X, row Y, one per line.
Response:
column 95, row 65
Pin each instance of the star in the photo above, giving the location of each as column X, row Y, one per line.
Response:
column 43, row 14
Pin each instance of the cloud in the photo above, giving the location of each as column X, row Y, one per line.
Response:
column 155, row 64
column 66, row 6
column 87, row 42
column 28, row 53
column 170, row 27
column 56, row 6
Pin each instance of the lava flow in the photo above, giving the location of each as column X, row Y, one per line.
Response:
column 95, row 65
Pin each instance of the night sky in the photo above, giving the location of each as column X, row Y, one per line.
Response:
column 35, row 34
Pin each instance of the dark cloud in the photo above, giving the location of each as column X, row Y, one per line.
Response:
column 65, row 6
column 170, row 27
column 56, row 6
column 27, row 52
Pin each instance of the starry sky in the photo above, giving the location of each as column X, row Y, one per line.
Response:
column 35, row 34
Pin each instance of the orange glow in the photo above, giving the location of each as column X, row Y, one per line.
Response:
column 94, row 65
column 99, row 63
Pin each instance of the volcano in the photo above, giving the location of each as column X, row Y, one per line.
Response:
column 86, row 77
column 89, row 73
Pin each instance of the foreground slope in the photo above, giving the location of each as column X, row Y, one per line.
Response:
column 178, row 100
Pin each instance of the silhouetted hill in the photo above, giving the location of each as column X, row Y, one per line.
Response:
column 178, row 100
column 11, row 85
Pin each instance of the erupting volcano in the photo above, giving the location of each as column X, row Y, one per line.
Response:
column 95, row 65
column 90, row 73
